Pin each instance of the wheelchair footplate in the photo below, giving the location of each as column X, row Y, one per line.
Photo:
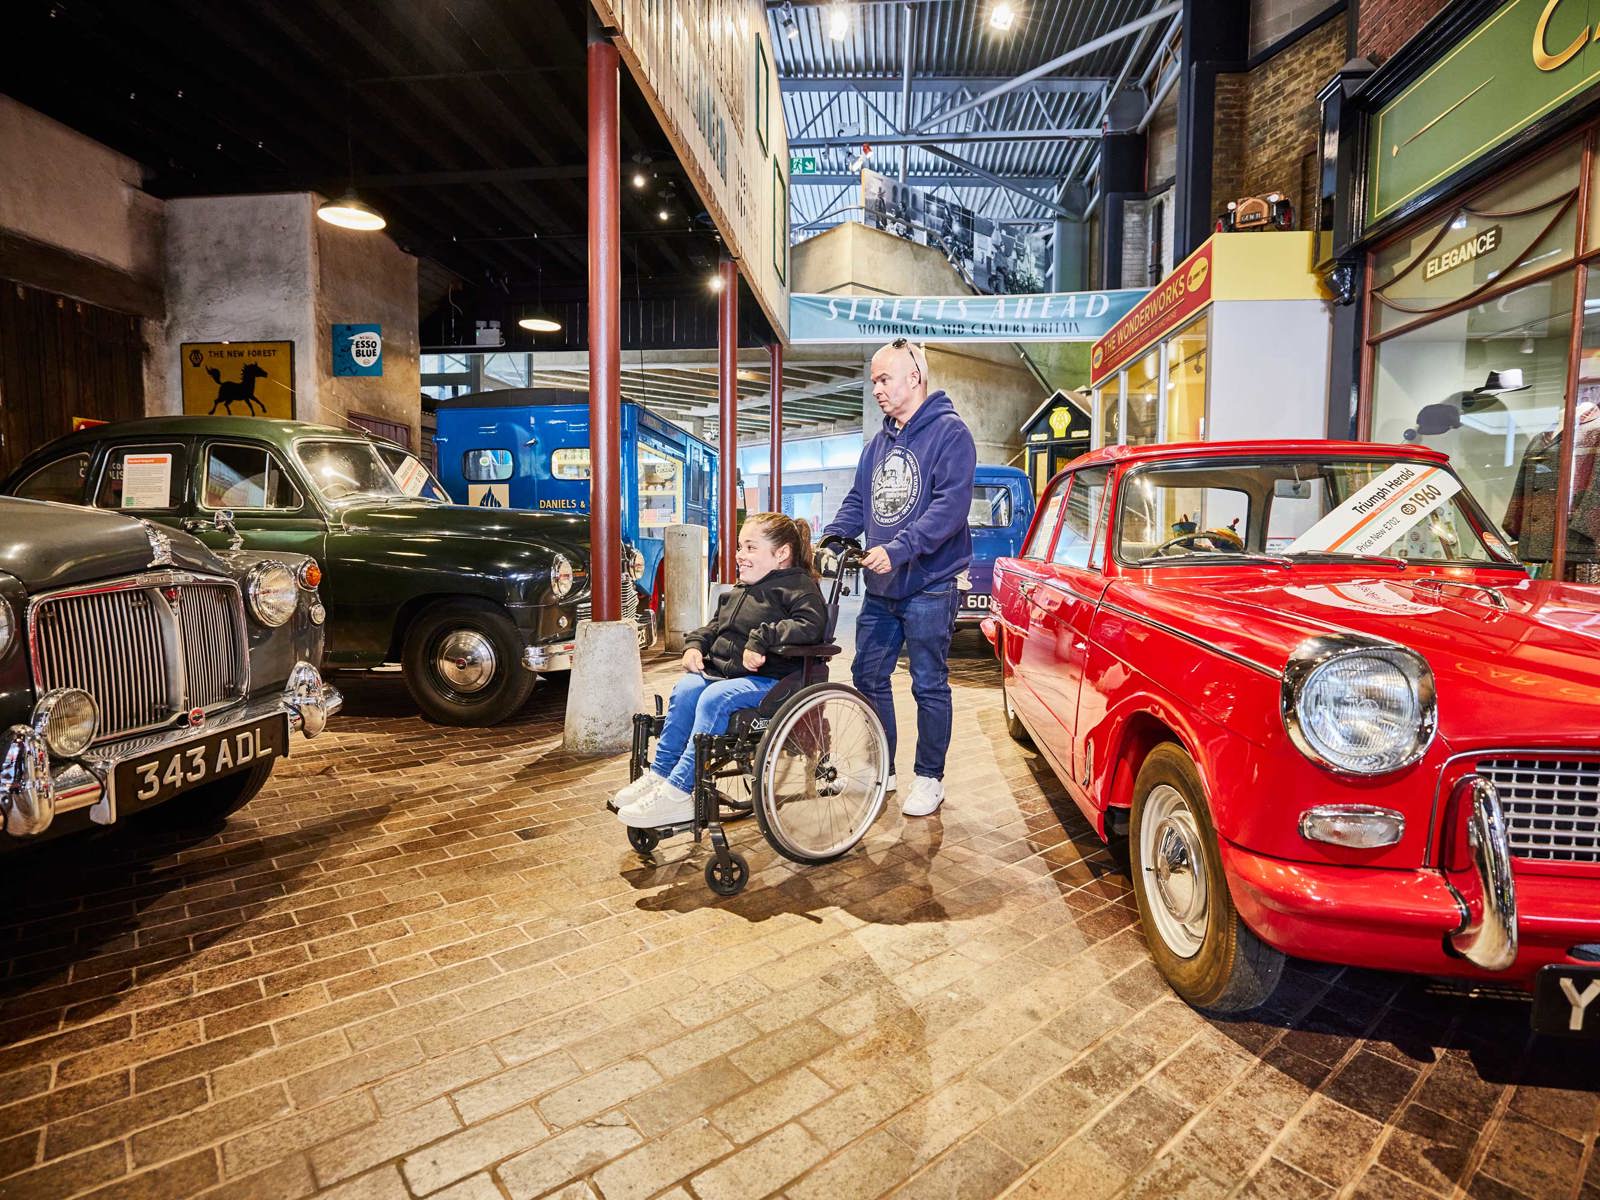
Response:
column 717, row 757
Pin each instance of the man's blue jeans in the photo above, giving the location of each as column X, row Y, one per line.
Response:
column 701, row 705
column 922, row 624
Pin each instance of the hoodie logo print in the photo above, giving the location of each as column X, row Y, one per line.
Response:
column 896, row 484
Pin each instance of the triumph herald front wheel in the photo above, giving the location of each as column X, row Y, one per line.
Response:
column 462, row 662
column 1208, row 954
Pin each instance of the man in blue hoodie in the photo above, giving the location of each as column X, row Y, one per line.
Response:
column 911, row 497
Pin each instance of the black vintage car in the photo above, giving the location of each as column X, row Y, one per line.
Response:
column 473, row 603
column 138, row 667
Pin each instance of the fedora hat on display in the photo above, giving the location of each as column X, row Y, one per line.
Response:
column 1502, row 381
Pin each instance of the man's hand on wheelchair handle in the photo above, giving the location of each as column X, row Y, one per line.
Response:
column 694, row 662
column 752, row 660
column 877, row 561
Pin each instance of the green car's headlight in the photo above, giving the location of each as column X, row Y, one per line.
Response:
column 8, row 626
column 1358, row 707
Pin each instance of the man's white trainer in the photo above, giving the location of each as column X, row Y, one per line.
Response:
column 637, row 790
column 664, row 805
column 891, row 786
column 924, row 798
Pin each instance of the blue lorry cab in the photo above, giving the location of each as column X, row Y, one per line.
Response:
column 529, row 448
column 1002, row 507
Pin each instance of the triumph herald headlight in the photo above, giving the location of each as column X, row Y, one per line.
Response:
column 561, row 576
column 1357, row 707
column 272, row 592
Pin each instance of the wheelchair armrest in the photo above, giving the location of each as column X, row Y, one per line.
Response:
column 825, row 650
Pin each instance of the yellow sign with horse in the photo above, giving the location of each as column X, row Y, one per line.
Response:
column 238, row 379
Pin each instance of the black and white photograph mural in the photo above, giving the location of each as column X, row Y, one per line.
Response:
column 994, row 258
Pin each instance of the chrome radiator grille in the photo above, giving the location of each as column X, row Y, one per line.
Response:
column 1552, row 806
column 630, row 601
column 145, row 653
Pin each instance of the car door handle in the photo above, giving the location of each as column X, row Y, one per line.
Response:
column 1026, row 589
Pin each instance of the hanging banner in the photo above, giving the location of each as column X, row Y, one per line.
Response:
column 1046, row 317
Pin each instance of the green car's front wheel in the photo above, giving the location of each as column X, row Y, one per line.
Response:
column 462, row 664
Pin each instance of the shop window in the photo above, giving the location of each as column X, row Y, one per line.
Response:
column 570, row 462
column 1525, row 226
column 1186, row 383
column 148, row 478
column 1044, row 526
column 1144, row 400
column 1110, row 401
column 487, row 465
column 660, row 492
column 1583, row 503
column 246, row 478
column 1078, row 520
column 61, row 481
column 1487, row 386
column 991, row 507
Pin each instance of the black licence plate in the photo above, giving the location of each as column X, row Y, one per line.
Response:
column 152, row 778
column 977, row 600
column 1566, row 1001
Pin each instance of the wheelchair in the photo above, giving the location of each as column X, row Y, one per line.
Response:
column 810, row 762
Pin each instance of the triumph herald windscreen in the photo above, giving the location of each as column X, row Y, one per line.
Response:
column 1303, row 509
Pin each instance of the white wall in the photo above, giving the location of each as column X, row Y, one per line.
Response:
column 1269, row 369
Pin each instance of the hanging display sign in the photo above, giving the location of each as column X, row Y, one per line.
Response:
column 705, row 70
column 1178, row 297
column 238, row 379
column 1047, row 317
column 358, row 350
column 1527, row 59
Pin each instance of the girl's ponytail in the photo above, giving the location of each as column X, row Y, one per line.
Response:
column 780, row 529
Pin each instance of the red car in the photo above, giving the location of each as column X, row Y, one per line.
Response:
column 1328, row 708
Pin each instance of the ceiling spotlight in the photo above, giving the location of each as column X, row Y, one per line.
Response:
column 1002, row 16
column 540, row 324
column 348, row 212
column 715, row 282
column 1527, row 346
column 640, row 179
column 663, row 214
column 838, row 20
column 791, row 30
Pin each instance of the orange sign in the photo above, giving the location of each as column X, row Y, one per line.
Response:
column 1179, row 296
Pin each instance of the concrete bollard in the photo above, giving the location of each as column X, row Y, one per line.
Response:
column 606, row 689
column 683, row 594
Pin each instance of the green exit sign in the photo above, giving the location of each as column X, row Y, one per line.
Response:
column 803, row 164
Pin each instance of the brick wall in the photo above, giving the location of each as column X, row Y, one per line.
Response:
column 1267, row 123
column 1383, row 26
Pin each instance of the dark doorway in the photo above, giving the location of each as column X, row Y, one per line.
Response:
column 62, row 359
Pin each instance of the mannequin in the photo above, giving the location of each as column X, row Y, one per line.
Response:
column 1531, row 514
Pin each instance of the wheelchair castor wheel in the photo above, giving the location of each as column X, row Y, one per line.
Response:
column 643, row 840
column 727, row 879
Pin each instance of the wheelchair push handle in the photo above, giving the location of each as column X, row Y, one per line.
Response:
column 847, row 553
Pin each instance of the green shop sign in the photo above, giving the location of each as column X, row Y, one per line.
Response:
column 1529, row 58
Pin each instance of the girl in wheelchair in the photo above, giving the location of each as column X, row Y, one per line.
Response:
column 728, row 664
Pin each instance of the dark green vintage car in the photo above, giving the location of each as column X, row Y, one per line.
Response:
column 472, row 602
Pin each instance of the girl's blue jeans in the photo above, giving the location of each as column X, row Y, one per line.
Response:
column 701, row 705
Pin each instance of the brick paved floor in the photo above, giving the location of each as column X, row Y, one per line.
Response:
column 424, row 963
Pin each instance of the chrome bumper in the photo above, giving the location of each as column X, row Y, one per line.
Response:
column 558, row 656
column 1491, row 941
column 34, row 790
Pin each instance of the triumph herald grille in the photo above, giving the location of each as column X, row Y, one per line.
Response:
column 145, row 651
column 1552, row 806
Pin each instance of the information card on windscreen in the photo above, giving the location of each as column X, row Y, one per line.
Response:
column 147, row 481
column 1380, row 513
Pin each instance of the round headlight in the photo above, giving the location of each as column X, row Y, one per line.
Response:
column 560, row 576
column 67, row 719
column 632, row 561
column 272, row 592
column 1359, row 708
column 8, row 626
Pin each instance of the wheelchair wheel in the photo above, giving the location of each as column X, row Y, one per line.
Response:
column 727, row 880
column 820, row 773
column 643, row 840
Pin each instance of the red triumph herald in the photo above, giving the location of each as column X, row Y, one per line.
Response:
column 1314, row 688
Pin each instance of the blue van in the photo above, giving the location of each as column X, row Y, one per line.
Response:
column 529, row 448
column 1002, row 507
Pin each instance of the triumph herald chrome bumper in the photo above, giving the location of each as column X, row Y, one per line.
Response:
column 1490, row 941
column 34, row 789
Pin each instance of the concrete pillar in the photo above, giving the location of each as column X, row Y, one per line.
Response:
column 606, row 689
column 683, row 591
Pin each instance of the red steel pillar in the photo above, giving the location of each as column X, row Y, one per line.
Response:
column 727, row 421
column 775, row 486
column 605, row 328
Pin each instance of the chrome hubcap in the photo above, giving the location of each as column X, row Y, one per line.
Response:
column 1172, row 854
column 465, row 660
